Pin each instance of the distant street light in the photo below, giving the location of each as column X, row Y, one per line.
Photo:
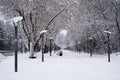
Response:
column 15, row 22
column 51, row 38
column 91, row 46
column 108, row 44
column 42, row 34
column 79, row 47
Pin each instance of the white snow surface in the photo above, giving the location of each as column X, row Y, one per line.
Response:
column 71, row 66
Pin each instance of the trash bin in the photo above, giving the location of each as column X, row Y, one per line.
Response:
column 60, row 53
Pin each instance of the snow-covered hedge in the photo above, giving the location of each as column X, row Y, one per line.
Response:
column 1, row 56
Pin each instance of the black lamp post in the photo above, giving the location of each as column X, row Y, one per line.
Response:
column 51, row 38
column 15, row 22
column 109, row 49
column 42, row 34
column 43, row 47
column 16, row 48
column 108, row 44
column 79, row 47
column 91, row 46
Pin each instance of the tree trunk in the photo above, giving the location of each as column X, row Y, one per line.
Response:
column 118, row 27
column 31, row 49
column 32, row 46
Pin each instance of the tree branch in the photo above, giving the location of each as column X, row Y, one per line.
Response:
column 47, row 27
column 55, row 17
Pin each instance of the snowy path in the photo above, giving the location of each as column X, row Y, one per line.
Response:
column 71, row 66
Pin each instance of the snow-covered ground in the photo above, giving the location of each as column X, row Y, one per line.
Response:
column 71, row 66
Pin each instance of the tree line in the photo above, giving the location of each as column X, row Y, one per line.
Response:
column 85, row 19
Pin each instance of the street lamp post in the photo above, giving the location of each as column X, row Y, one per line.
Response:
column 51, row 38
column 108, row 44
column 16, row 48
column 42, row 34
column 15, row 22
column 43, row 47
column 109, row 49
column 79, row 47
column 91, row 46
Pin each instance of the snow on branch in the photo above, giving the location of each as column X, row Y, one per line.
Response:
column 90, row 38
column 108, row 32
column 51, row 37
column 43, row 31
